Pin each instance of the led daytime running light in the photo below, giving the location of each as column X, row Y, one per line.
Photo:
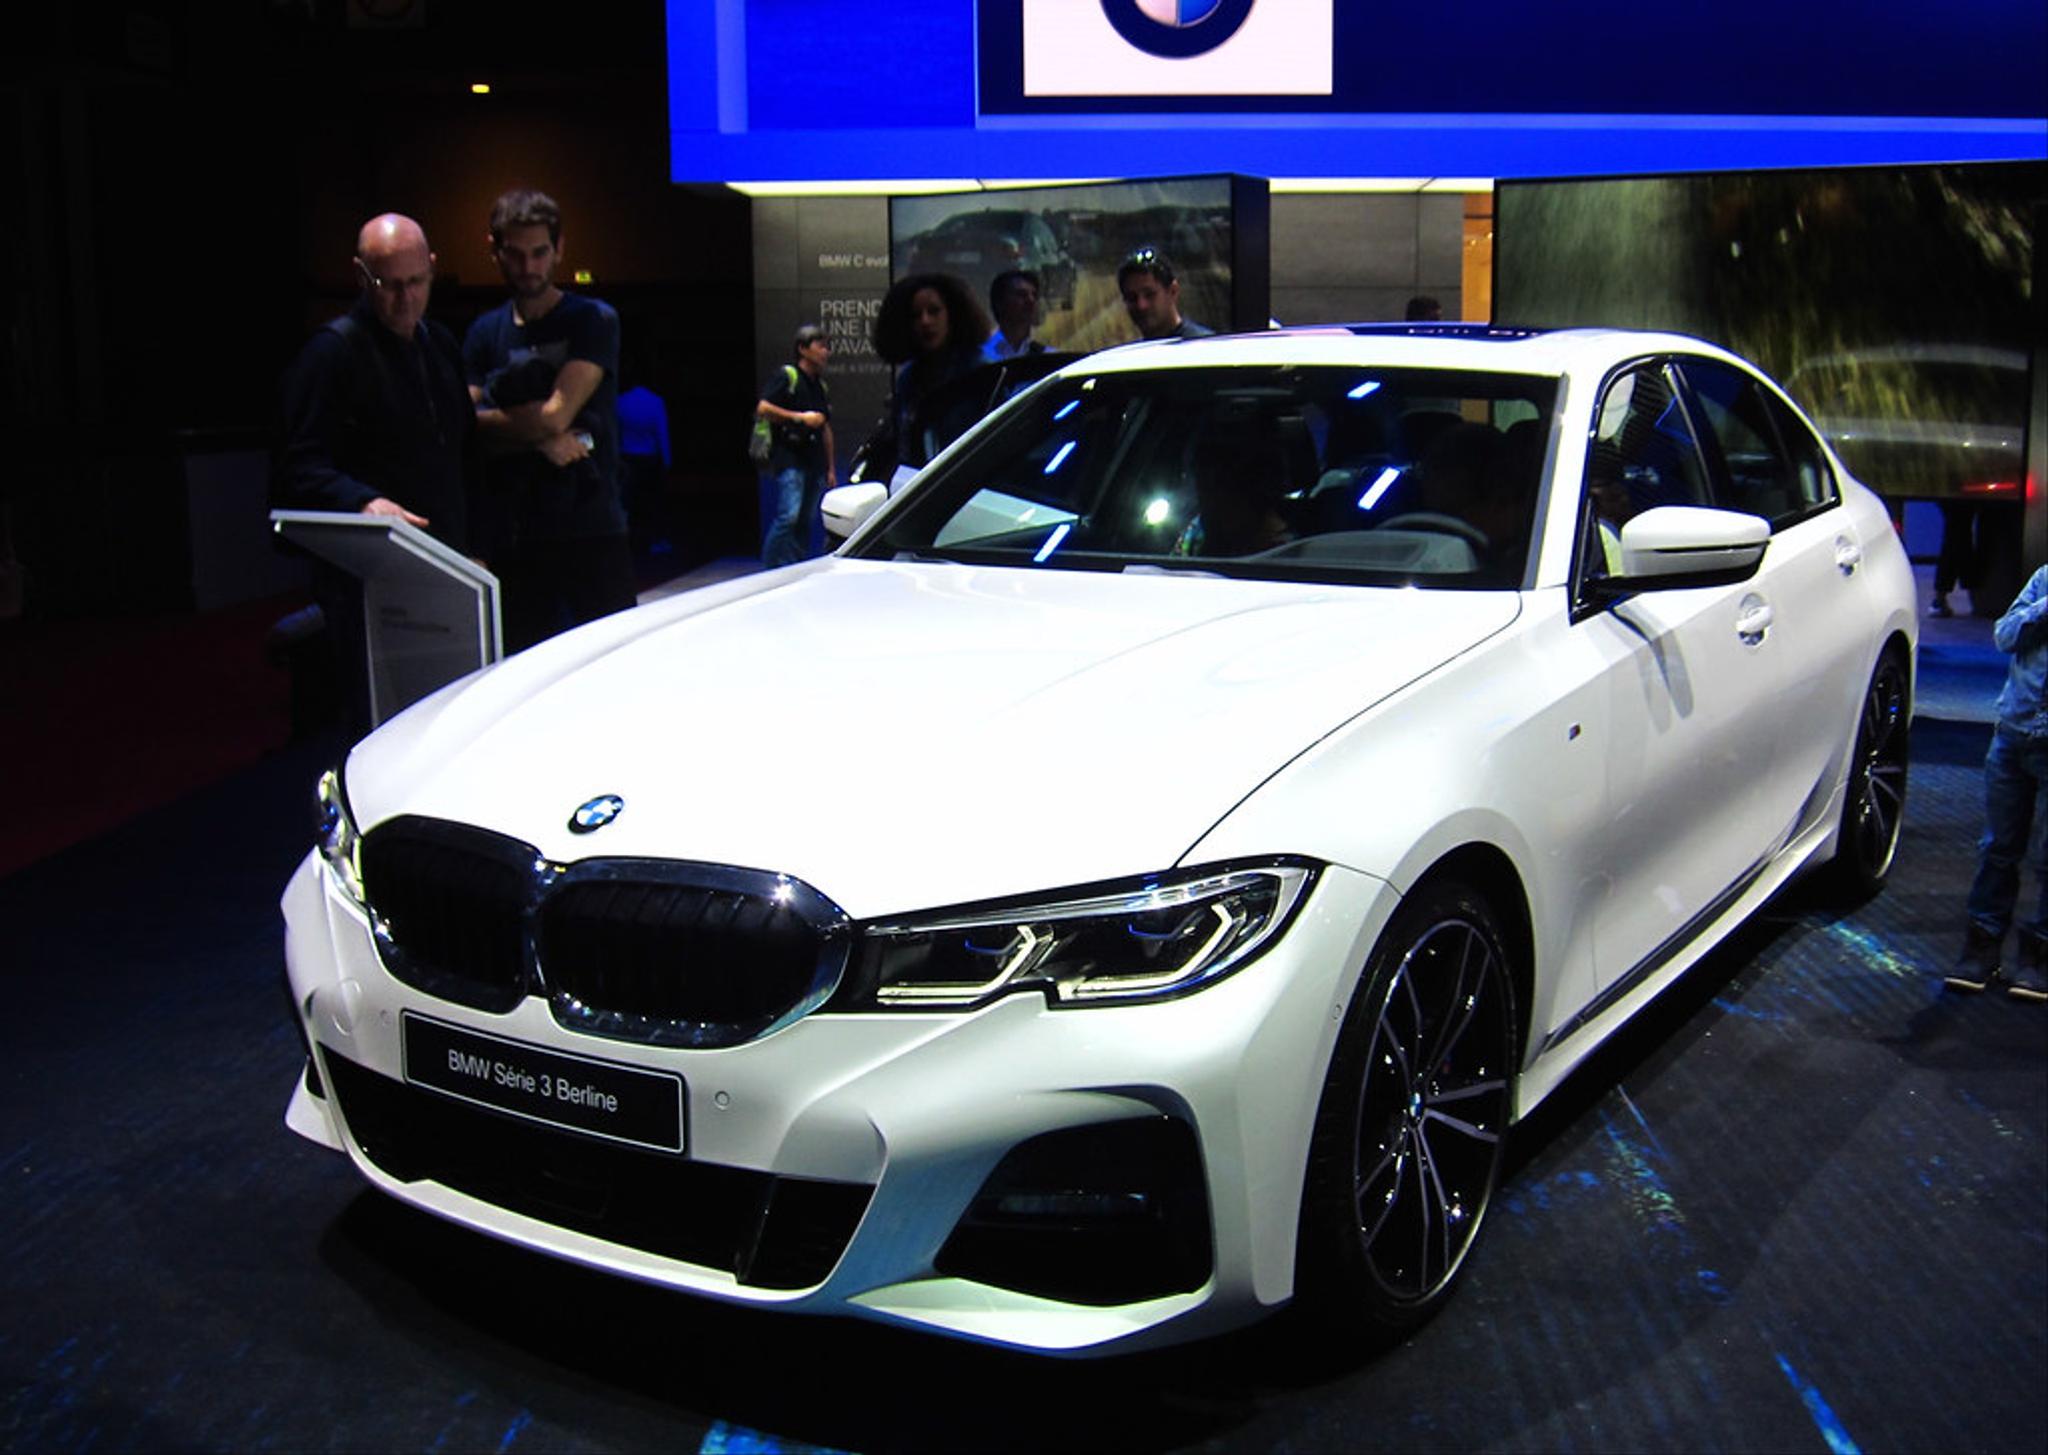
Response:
column 341, row 846
column 1158, row 941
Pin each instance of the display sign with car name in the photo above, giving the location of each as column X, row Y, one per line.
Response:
column 598, row 1098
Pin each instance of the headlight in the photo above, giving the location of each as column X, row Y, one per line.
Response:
column 335, row 829
column 1147, row 943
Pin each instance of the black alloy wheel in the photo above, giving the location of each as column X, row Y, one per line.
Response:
column 1874, row 797
column 1413, row 1118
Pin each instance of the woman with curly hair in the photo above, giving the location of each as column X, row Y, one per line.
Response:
column 931, row 326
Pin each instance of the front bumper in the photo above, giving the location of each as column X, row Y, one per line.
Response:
column 828, row 1166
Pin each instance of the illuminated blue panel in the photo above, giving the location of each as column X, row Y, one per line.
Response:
column 692, row 68
column 896, row 63
column 1622, row 57
column 1420, row 147
column 770, row 90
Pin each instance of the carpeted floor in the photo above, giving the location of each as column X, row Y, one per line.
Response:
column 103, row 719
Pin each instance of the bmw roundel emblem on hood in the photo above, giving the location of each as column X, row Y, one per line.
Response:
column 1176, row 29
column 595, row 814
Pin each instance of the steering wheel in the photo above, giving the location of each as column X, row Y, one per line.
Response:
column 1442, row 524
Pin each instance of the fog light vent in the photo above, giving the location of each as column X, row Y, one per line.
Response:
column 1105, row 1214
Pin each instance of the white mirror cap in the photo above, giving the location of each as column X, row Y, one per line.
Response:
column 846, row 508
column 1679, row 539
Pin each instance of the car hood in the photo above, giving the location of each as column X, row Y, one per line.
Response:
column 905, row 735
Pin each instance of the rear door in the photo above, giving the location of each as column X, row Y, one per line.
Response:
column 1765, row 461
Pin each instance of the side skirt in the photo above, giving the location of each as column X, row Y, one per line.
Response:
column 1571, row 1042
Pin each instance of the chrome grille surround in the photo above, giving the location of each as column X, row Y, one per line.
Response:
column 653, row 951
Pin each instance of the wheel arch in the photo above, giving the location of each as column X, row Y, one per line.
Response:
column 1489, row 870
column 1844, row 879
column 1896, row 640
column 1341, row 1287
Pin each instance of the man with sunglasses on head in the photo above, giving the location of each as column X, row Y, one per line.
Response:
column 376, row 420
column 1151, row 292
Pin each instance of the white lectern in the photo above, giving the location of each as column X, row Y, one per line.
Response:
column 430, row 614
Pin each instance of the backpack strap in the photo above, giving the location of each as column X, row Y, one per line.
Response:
column 824, row 389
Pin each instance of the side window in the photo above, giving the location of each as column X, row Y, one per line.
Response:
column 1813, row 479
column 1772, row 466
column 1643, row 455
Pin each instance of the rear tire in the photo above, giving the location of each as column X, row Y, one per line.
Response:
column 1413, row 1119
column 1874, row 796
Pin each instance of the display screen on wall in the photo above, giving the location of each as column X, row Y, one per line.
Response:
column 1900, row 305
column 1073, row 238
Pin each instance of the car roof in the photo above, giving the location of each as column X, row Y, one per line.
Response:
column 1478, row 346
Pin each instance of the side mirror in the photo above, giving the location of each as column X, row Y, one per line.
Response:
column 845, row 508
column 1672, row 547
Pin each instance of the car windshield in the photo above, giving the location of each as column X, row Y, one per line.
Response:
column 1345, row 473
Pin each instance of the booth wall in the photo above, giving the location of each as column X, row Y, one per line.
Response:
column 1335, row 258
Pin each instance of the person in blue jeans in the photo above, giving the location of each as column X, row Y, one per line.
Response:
column 2015, row 805
column 801, row 465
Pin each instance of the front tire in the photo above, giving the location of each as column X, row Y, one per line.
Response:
column 1413, row 1119
column 1874, row 797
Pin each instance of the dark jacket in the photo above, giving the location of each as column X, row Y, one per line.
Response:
column 368, row 414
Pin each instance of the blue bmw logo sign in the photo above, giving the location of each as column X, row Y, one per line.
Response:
column 1176, row 28
column 596, row 814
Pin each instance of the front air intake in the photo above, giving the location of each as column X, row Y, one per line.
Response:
column 766, row 1231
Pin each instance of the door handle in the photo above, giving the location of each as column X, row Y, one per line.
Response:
column 1752, row 620
column 1848, row 555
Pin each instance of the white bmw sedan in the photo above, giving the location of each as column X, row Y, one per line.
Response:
column 1136, row 883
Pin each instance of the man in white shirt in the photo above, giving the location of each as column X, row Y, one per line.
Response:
column 1013, row 301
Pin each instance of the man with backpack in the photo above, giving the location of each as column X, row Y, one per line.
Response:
column 798, row 410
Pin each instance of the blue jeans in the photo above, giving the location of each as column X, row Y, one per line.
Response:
column 796, row 495
column 2015, row 806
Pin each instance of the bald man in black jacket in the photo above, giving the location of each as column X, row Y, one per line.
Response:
column 377, row 419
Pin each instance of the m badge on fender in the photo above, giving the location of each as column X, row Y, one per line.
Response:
column 594, row 815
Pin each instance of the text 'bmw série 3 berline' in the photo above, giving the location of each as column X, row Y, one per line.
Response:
column 1136, row 882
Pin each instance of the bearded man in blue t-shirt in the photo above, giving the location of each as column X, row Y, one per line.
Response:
column 543, row 370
